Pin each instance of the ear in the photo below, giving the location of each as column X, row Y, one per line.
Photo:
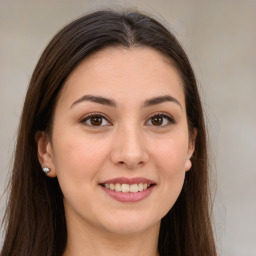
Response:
column 45, row 152
column 191, row 149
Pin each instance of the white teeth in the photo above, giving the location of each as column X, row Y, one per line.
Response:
column 134, row 188
column 118, row 187
column 140, row 187
column 125, row 188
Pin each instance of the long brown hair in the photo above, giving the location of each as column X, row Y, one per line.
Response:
column 35, row 220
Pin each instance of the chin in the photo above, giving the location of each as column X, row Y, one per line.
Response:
column 130, row 223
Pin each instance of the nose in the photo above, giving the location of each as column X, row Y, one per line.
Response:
column 129, row 148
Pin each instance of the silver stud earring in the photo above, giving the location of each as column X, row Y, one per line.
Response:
column 46, row 170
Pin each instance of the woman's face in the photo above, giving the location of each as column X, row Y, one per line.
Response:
column 120, row 144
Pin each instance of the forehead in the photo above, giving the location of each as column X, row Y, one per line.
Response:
column 124, row 73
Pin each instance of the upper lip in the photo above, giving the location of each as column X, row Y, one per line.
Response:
column 124, row 180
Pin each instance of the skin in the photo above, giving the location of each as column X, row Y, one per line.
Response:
column 127, row 144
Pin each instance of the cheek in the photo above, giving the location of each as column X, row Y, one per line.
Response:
column 170, row 164
column 172, row 171
column 171, row 155
column 77, row 160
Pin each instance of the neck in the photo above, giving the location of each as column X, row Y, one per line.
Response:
column 90, row 241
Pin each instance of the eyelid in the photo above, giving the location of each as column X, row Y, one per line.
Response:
column 164, row 115
column 87, row 116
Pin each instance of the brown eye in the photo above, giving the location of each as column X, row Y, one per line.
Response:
column 96, row 120
column 157, row 120
column 160, row 120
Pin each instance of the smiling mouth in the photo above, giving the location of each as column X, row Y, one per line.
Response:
column 127, row 188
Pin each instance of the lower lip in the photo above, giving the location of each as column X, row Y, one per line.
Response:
column 129, row 197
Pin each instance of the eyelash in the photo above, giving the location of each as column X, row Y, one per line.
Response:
column 100, row 115
column 87, row 118
column 170, row 119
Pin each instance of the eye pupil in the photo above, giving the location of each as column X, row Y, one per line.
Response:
column 157, row 120
column 96, row 120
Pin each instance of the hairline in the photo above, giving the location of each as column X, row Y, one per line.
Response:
column 167, row 59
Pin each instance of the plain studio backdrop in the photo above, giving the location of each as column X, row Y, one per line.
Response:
column 220, row 39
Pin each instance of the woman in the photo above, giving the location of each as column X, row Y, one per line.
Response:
column 111, row 154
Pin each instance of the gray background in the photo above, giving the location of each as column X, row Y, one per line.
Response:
column 220, row 39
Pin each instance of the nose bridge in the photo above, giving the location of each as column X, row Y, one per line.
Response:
column 129, row 147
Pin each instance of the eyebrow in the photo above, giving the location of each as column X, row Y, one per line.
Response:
column 161, row 99
column 112, row 103
column 96, row 99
